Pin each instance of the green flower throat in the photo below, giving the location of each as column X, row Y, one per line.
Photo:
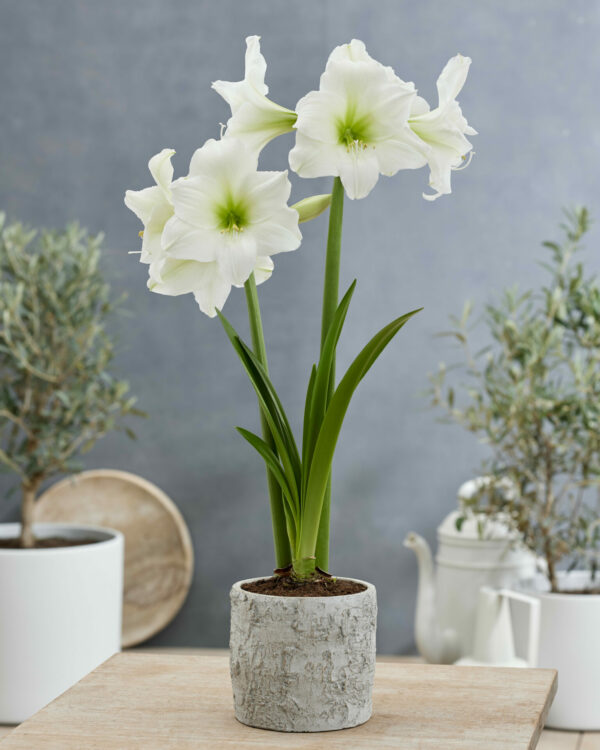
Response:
column 232, row 215
column 354, row 130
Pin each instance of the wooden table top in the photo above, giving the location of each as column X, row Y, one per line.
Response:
column 166, row 702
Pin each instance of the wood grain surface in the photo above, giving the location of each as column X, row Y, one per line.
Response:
column 167, row 702
column 159, row 559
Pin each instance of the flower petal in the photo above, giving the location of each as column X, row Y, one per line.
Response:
column 161, row 169
column 177, row 277
column 452, row 78
column 143, row 202
column 278, row 234
column 213, row 293
column 355, row 51
column 359, row 172
column 419, row 106
column 223, row 162
column 236, row 256
column 263, row 269
column 185, row 242
column 151, row 246
column 319, row 113
column 270, row 191
column 194, row 201
column 313, row 158
column 253, row 86
column 255, row 65
column 259, row 123
column 407, row 151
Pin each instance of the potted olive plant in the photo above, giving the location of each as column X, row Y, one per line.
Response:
column 533, row 396
column 60, row 585
column 302, row 641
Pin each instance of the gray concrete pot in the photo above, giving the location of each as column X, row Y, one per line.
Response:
column 302, row 664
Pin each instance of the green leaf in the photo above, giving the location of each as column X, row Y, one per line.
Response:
column 322, row 384
column 271, row 408
column 330, row 430
column 269, row 457
column 307, row 408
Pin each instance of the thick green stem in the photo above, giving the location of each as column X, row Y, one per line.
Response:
column 304, row 568
column 330, row 303
column 283, row 556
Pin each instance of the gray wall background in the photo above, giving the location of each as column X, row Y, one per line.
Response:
column 90, row 90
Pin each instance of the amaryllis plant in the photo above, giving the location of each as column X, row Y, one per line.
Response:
column 220, row 226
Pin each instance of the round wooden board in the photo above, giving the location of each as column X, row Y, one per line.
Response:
column 159, row 558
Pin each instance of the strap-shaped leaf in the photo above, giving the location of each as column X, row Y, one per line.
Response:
column 330, row 430
column 307, row 407
column 276, row 425
column 270, row 388
column 272, row 409
column 269, row 457
column 323, row 381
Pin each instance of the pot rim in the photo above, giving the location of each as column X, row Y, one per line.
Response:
column 107, row 538
column 538, row 587
column 237, row 586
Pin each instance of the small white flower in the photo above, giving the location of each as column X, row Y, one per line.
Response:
column 226, row 212
column 355, row 125
column 153, row 206
column 444, row 128
column 253, row 116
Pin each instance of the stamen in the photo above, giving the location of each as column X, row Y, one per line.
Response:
column 467, row 162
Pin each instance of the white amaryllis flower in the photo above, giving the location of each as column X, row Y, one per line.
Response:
column 153, row 206
column 355, row 125
column 444, row 129
column 253, row 116
column 228, row 213
column 171, row 276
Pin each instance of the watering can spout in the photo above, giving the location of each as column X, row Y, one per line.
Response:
column 436, row 645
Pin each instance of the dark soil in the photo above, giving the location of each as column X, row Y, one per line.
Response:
column 47, row 543
column 287, row 586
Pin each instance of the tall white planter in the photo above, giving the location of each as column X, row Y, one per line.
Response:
column 302, row 664
column 60, row 615
column 570, row 643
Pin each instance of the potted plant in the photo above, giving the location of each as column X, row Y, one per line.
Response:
column 302, row 642
column 60, row 585
column 534, row 397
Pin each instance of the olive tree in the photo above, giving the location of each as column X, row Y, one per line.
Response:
column 57, row 395
column 533, row 396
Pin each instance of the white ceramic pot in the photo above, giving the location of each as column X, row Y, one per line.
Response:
column 302, row 664
column 60, row 614
column 570, row 642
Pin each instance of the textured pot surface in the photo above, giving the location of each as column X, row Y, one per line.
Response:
column 61, row 614
column 302, row 664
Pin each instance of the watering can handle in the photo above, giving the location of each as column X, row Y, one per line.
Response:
column 533, row 636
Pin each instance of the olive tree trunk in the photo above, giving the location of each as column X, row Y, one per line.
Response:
column 27, row 539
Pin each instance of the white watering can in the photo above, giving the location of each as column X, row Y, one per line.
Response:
column 493, row 642
column 448, row 593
